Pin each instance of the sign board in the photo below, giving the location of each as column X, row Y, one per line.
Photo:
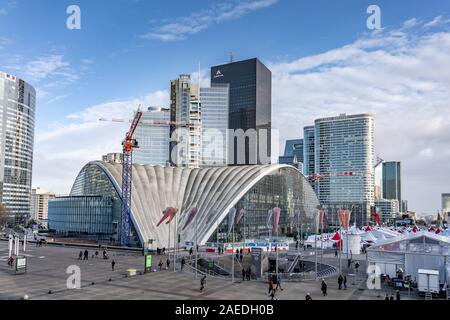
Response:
column 148, row 263
column 21, row 264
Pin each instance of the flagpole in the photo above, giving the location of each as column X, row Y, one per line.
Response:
column 321, row 237
column 315, row 247
column 196, row 246
column 175, row 242
column 232, row 254
column 168, row 248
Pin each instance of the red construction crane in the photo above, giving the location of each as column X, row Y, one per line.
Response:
column 129, row 143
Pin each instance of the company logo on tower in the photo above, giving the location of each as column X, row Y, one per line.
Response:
column 218, row 74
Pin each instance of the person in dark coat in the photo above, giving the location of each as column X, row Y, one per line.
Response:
column 244, row 273
column 308, row 297
column 345, row 282
column 398, row 295
column 323, row 287
column 340, row 281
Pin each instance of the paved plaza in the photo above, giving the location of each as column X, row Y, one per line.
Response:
column 47, row 272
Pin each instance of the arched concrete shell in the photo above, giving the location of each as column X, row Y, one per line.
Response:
column 214, row 191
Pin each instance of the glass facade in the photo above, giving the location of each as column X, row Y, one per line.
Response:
column 84, row 215
column 17, row 114
column 309, row 154
column 344, row 157
column 392, row 186
column 185, row 143
column 293, row 154
column 153, row 140
column 215, row 103
column 286, row 189
column 250, row 84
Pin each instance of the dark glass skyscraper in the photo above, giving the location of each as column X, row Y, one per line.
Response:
column 250, row 105
column 392, row 186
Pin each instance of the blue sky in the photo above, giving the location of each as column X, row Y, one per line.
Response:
column 127, row 51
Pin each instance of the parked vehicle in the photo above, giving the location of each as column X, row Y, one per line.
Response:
column 428, row 281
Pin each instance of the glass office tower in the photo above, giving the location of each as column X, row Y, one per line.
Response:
column 392, row 186
column 215, row 107
column 250, row 108
column 185, row 147
column 153, row 140
column 344, row 157
column 308, row 154
column 293, row 154
column 17, row 114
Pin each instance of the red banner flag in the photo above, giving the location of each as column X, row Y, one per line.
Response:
column 276, row 218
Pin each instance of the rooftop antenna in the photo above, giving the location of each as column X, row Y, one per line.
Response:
column 231, row 57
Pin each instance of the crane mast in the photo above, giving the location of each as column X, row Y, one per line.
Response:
column 128, row 144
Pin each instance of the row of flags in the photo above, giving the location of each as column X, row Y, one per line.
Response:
column 273, row 217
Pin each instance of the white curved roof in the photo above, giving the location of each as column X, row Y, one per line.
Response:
column 214, row 191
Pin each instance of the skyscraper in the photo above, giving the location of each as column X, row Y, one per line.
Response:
column 214, row 118
column 446, row 205
column 39, row 205
column 153, row 139
column 309, row 154
column 392, row 186
column 344, row 156
column 250, row 110
column 185, row 143
column 293, row 154
column 17, row 114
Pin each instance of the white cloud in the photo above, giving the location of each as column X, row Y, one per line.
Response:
column 402, row 77
column 181, row 28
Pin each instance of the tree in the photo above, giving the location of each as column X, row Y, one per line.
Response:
column 4, row 216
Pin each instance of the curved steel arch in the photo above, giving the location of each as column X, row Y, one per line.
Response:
column 214, row 191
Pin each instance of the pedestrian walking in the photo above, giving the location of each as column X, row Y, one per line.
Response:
column 398, row 295
column 244, row 274
column 270, row 286
column 345, row 282
column 308, row 297
column 340, row 281
column 349, row 263
column 249, row 274
column 356, row 266
column 160, row 264
column 86, row 255
column 191, row 252
column 241, row 257
column 323, row 287
column 335, row 253
column 279, row 283
column 10, row 261
column 113, row 264
column 96, row 254
column 168, row 264
column 80, row 255
column 183, row 262
column 202, row 283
